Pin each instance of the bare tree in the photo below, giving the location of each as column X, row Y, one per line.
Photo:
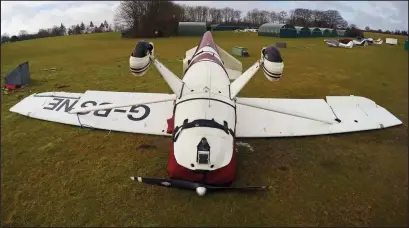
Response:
column 82, row 26
column 237, row 15
column 141, row 17
column 5, row 38
column 282, row 16
column 55, row 31
column 273, row 16
column 63, row 30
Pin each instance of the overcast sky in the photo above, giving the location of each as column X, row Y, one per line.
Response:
column 33, row 15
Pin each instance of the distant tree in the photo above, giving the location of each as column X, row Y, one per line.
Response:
column 405, row 33
column 102, row 26
column 5, row 38
column 282, row 16
column 42, row 33
column 367, row 28
column 397, row 32
column 14, row 38
column 70, row 31
column 63, row 30
column 82, row 27
column 77, row 29
column 387, row 32
column 106, row 24
column 110, row 29
column 273, row 16
column 353, row 31
column 55, row 31
column 140, row 18
column 22, row 35
column 91, row 24
column 97, row 29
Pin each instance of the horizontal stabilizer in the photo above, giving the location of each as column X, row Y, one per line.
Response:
column 233, row 66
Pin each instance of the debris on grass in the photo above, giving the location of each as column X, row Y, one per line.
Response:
column 243, row 144
column 50, row 69
column 146, row 146
column 61, row 86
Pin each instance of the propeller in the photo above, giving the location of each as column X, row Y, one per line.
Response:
column 200, row 188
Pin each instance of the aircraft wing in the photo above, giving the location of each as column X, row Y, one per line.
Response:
column 356, row 114
column 144, row 119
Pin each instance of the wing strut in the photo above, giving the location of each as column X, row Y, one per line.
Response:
column 173, row 81
column 242, row 80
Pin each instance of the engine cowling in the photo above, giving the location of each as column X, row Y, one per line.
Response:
column 272, row 63
column 140, row 60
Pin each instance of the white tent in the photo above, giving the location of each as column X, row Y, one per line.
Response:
column 392, row 41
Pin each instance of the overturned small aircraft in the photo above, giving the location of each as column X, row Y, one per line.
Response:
column 336, row 43
column 378, row 41
column 204, row 115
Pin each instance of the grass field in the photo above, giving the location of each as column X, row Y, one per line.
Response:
column 59, row 175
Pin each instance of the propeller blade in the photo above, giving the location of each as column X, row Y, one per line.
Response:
column 236, row 188
column 168, row 182
column 201, row 189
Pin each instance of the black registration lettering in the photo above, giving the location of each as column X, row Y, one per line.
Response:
column 66, row 105
column 84, row 105
column 103, row 113
column 134, row 109
column 54, row 105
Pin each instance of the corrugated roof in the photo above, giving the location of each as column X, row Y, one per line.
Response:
column 191, row 28
column 273, row 27
column 323, row 29
column 193, row 23
column 301, row 27
column 340, row 32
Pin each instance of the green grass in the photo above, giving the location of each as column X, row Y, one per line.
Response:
column 59, row 175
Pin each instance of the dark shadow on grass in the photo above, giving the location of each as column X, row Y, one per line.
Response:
column 36, row 82
column 353, row 134
column 146, row 146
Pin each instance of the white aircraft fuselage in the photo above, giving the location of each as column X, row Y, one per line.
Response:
column 207, row 115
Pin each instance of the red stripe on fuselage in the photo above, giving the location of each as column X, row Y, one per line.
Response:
column 207, row 40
